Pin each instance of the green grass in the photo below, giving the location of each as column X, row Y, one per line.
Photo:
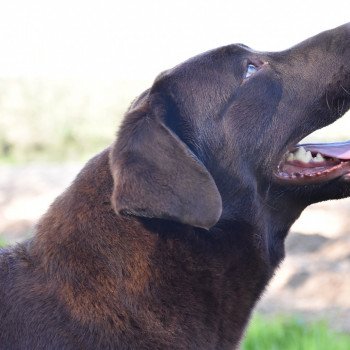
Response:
column 2, row 242
column 288, row 333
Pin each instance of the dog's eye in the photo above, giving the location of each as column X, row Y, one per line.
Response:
column 251, row 69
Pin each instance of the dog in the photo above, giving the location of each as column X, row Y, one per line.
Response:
column 167, row 238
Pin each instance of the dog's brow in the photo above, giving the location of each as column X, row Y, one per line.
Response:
column 243, row 46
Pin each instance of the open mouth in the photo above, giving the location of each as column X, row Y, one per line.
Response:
column 315, row 162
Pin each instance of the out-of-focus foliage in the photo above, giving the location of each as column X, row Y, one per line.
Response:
column 290, row 333
column 59, row 120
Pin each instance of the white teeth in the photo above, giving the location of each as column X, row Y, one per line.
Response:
column 318, row 158
column 304, row 156
column 290, row 157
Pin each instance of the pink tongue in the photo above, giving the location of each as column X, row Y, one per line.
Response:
column 340, row 150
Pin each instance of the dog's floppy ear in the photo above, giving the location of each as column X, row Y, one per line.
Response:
column 157, row 176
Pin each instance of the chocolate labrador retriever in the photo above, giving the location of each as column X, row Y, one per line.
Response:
column 167, row 239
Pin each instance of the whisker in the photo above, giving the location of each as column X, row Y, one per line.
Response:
column 328, row 102
column 348, row 92
column 342, row 107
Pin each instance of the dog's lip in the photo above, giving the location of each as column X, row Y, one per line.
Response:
column 335, row 165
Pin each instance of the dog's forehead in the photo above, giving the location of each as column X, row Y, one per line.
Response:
column 213, row 59
column 217, row 55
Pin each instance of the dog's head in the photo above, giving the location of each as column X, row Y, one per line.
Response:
column 224, row 126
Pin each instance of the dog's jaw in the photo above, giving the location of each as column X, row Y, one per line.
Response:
column 315, row 163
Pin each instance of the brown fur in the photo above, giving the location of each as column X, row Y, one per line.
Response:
column 167, row 239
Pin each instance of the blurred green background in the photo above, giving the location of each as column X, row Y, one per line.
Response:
column 59, row 120
column 292, row 333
